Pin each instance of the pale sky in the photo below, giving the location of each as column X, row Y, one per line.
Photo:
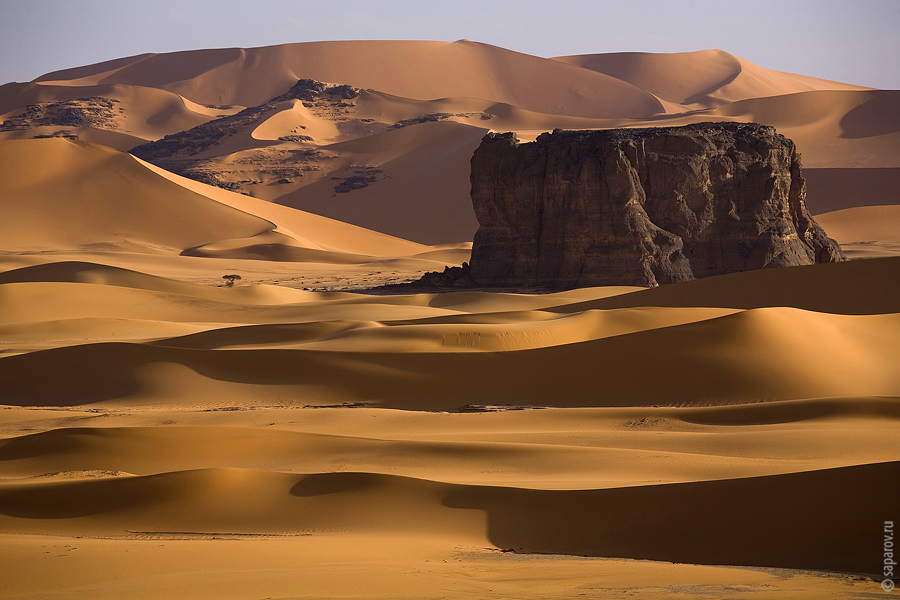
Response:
column 854, row 41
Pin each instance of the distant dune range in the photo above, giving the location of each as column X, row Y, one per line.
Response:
column 163, row 435
column 402, row 145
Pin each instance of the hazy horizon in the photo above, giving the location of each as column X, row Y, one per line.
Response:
column 851, row 42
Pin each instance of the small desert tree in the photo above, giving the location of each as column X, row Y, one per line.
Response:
column 230, row 279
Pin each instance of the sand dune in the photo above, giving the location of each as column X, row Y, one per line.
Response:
column 823, row 288
column 138, row 114
column 325, row 349
column 609, row 448
column 856, row 225
column 654, row 522
column 702, row 79
column 431, row 70
column 177, row 482
column 92, row 210
column 852, row 356
column 104, row 275
column 591, row 522
column 831, row 128
column 865, row 231
column 72, row 201
column 108, row 198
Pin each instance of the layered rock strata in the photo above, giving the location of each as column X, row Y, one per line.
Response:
column 640, row 206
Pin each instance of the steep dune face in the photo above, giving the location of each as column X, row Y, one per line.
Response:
column 703, row 79
column 825, row 289
column 70, row 194
column 61, row 194
column 863, row 223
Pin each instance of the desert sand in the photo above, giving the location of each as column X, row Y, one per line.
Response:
column 297, row 436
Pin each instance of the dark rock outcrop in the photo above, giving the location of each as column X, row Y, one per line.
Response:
column 98, row 112
column 640, row 206
column 450, row 277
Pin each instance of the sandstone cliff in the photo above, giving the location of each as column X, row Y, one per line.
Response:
column 640, row 206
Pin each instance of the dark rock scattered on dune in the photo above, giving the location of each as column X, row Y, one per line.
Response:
column 183, row 152
column 98, row 112
column 640, row 206
column 440, row 116
column 189, row 143
column 359, row 178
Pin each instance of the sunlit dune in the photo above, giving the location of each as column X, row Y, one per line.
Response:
column 703, row 79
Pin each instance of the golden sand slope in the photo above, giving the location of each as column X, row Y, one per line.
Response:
column 61, row 194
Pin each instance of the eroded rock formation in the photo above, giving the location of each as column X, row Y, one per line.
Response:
column 640, row 206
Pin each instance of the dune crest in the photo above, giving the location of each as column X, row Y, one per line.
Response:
column 702, row 79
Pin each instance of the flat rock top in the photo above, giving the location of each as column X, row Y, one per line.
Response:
column 706, row 129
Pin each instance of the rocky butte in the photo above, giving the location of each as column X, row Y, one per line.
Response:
column 640, row 207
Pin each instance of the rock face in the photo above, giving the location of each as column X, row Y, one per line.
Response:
column 640, row 206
